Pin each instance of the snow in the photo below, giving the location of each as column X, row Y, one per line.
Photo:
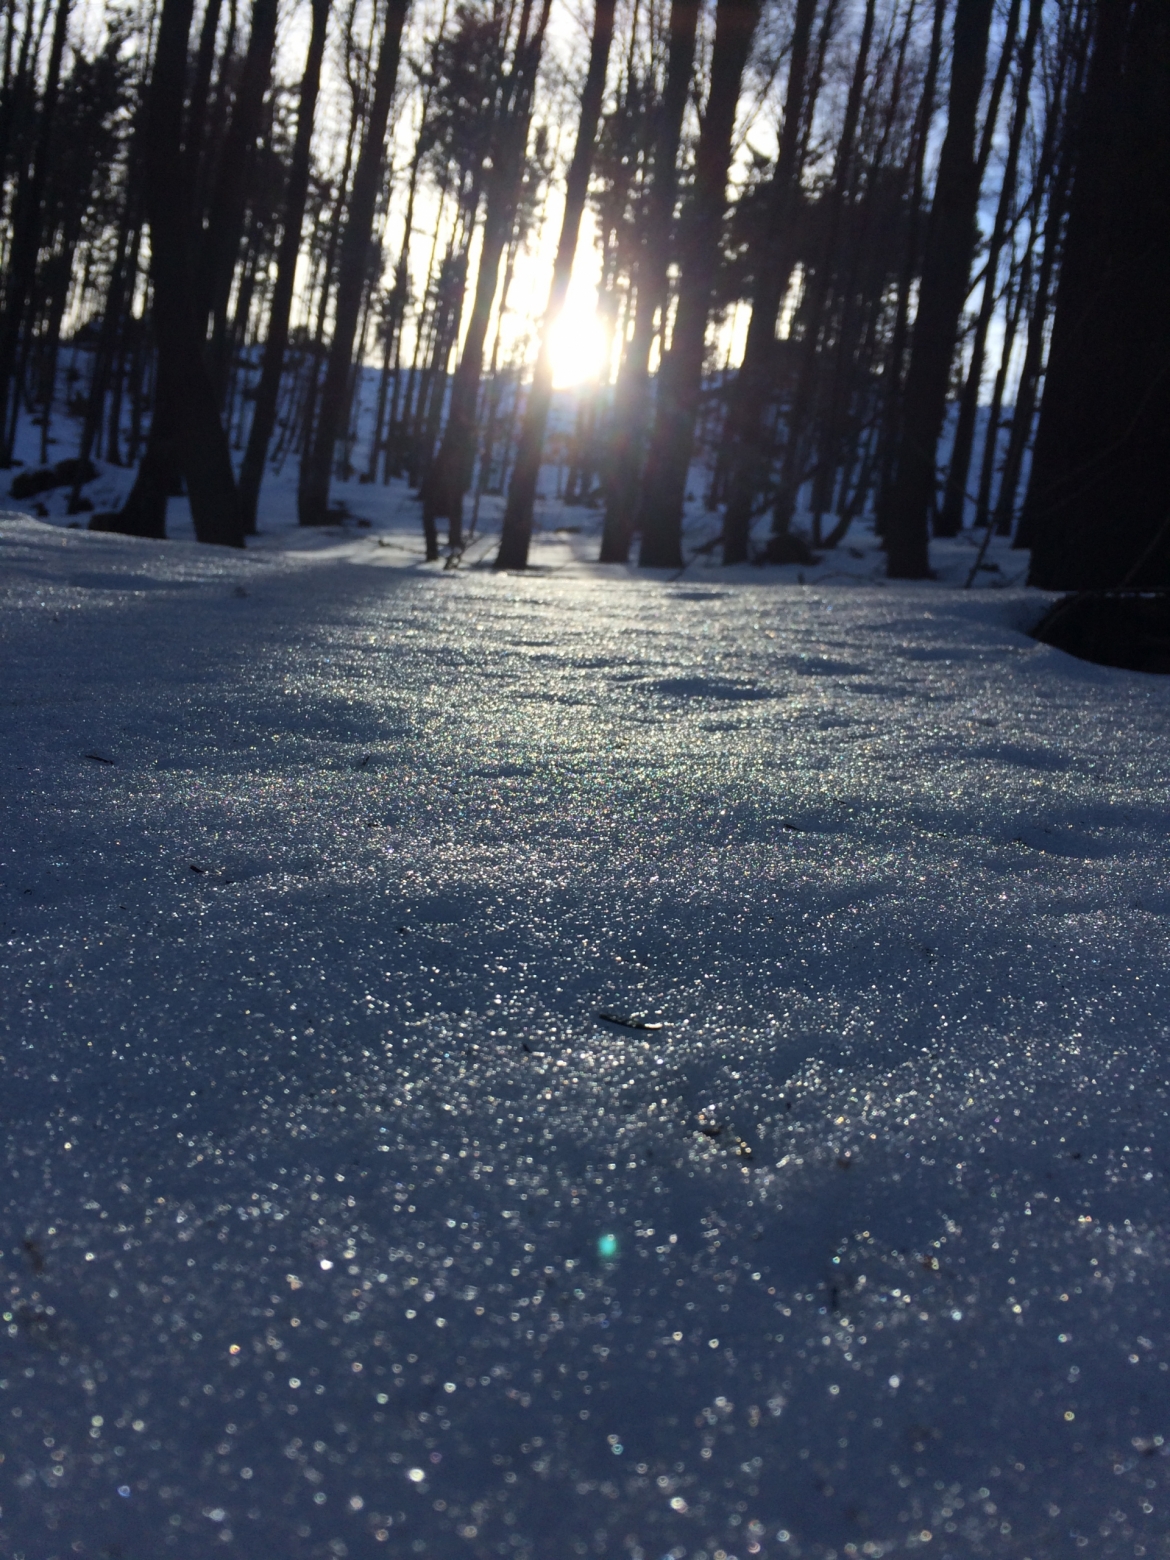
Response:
column 336, row 1219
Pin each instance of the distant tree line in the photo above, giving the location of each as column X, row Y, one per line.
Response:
column 937, row 232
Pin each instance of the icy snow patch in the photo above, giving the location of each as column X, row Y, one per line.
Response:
column 337, row 1221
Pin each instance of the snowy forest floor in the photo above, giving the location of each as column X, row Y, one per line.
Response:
column 347, row 1210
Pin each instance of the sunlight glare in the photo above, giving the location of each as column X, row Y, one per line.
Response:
column 578, row 344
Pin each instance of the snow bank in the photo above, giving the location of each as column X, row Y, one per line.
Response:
column 338, row 1222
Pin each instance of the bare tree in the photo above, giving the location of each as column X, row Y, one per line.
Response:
column 950, row 517
column 517, row 529
column 1097, row 498
column 293, row 216
column 628, row 425
column 26, row 227
column 818, row 292
column 950, row 242
column 195, row 438
column 894, row 370
column 664, row 482
column 317, row 466
column 450, row 476
column 745, row 414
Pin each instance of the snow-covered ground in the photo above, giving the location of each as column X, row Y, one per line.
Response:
column 390, row 511
column 339, row 1220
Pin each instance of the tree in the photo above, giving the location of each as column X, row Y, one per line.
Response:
column 950, row 242
column 849, row 388
column 825, row 259
column 1097, row 502
column 517, row 529
column 950, row 519
column 26, row 225
column 745, row 414
column 450, row 476
column 680, row 381
column 220, row 244
column 1053, row 178
column 894, row 370
column 632, row 397
column 194, row 437
column 292, row 221
column 317, row 466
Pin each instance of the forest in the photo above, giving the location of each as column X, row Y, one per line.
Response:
column 901, row 260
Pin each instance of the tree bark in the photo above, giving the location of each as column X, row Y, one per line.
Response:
column 893, row 374
column 950, row 519
column 7, row 83
column 1027, row 390
column 450, row 475
column 1019, row 285
column 517, row 528
column 225, row 226
column 22, row 263
column 316, row 352
column 272, row 364
column 195, row 129
column 317, row 466
column 1098, row 501
column 389, row 326
column 186, row 403
column 631, row 402
column 861, row 289
column 803, row 403
column 1060, row 135
column 17, row 112
column 950, row 242
column 664, row 482
column 744, row 432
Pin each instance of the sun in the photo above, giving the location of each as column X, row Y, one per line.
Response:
column 578, row 345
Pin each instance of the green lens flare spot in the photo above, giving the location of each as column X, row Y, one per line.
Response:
column 607, row 1247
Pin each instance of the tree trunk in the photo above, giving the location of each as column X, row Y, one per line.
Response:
column 1097, row 499
column 7, row 82
column 631, row 401
column 664, row 484
column 1017, row 291
column 118, row 301
column 818, row 292
column 450, row 476
column 22, row 264
column 186, row 403
column 136, row 330
column 892, row 378
column 195, row 129
column 307, row 415
column 1061, row 136
column 998, row 82
column 1024, row 411
column 517, row 528
column 272, row 363
column 950, row 241
column 316, row 467
column 221, row 242
column 351, row 410
column 488, row 444
column 17, row 111
column 863, row 305
column 744, row 431
column 950, row 520
column 446, row 320
column 388, row 329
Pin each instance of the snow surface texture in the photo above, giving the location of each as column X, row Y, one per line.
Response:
column 338, row 1222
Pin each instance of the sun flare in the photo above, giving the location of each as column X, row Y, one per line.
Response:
column 578, row 346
